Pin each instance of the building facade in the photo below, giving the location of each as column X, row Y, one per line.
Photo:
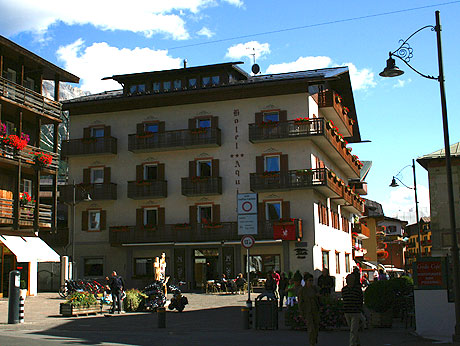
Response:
column 24, row 212
column 164, row 159
column 413, row 243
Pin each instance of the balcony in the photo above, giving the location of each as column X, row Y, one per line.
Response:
column 201, row 186
column 329, row 104
column 361, row 229
column 353, row 202
column 175, row 140
column 223, row 232
column 320, row 179
column 147, row 189
column 426, row 242
column 26, row 214
column 318, row 130
column 103, row 191
column 27, row 157
column 60, row 238
column 29, row 99
column 89, row 146
column 360, row 187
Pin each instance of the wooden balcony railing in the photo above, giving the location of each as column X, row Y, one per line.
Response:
column 222, row 232
column 321, row 179
column 426, row 242
column 147, row 189
column 27, row 156
column 103, row 191
column 89, row 146
column 60, row 237
column 30, row 99
column 360, row 228
column 353, row 201
column 175, row 140
column 26, row 214
column 316, row 129
column 329, row 103
column 201, row 186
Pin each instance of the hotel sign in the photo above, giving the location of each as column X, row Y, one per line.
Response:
column 430, row 273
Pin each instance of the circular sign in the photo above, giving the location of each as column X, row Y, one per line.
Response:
column 248, row 241
column 246, row 206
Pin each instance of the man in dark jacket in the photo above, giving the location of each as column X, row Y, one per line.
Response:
column 325, row 283
column 269, row 287
column 352, row 296
column 117, row 285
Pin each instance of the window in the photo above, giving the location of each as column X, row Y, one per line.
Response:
column 143, row 267
column 29, row 83
column 273, row 210
column 391, row 229
column 94, row 220
column 150, row 172
column 156, row 86
column 347, row 262
column 97, row 175
column 177, row 84
column 97, row 132
column 93, row 267
column 28, row 186
column 215, row 80
column 167, row 86
column 337, row 262
column 137, row 88
column 325, row 256
column 11, row 75
column 203, row 123
column 272, row 163
column 152, row 127
column 206, row 81
column 260, row 265
column 204, row 213
column 271, row 116
column 203, row 168
column 9, row 127
column 192, row 83
column 150, row 216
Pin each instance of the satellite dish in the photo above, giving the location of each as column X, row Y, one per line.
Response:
column 255, row 69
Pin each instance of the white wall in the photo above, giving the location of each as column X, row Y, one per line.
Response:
column 33, row 279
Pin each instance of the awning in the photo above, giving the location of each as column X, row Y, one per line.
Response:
column 29, row 249
column 368, row 264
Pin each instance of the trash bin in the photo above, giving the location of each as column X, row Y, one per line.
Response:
column 266, row 313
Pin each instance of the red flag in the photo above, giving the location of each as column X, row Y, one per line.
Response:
column 284, row 232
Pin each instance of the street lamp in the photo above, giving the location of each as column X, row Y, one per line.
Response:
column 404, row 53
column 395, row 184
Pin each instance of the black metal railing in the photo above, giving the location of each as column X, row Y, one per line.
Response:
column 89, row 146
column 147, row 189
column 285, row 130
column 201, row 186
column 102, row 191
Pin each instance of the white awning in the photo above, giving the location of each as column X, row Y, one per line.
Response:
column 369, row 264
column 29, row 249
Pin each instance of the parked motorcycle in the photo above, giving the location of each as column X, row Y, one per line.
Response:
column 155, row 295
column 178, row 301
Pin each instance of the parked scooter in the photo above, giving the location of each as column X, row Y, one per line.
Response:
column 178, row 301
column 155, row 295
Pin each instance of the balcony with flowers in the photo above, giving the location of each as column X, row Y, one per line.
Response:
column 332, row 106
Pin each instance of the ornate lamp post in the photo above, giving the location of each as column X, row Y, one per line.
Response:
column 404, row 53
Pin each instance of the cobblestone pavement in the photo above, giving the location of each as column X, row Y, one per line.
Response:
column 207, row 320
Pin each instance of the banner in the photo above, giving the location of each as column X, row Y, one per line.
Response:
column 284, row 232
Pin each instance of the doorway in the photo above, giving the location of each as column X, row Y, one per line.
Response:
column 8, row 265
column 205, row 266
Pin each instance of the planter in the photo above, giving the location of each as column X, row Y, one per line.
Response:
column 382, row 319
column 67, row 310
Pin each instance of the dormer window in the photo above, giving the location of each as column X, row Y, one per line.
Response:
column 137, row 88
column 206, row 81
column 192, row 83
column 177, row 84
column 215, row 80
column 156, row 87
column 166, row 86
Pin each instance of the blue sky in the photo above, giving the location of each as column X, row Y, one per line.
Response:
column 400, row 116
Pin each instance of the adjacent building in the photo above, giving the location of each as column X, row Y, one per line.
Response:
column 163, row 159
column 413, row 243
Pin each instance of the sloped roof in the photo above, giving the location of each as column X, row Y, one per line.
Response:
column 439, row 155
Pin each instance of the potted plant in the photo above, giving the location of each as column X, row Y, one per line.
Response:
column 80, row 303
column 380, row 297
column 25, row 199
column 42, row 160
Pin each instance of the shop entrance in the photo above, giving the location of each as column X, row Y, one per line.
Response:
column 205, row 266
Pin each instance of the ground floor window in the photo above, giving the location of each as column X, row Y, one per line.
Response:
column 260, row 265
column 143, row 267
column 325, row 255
column 347, row 262
column 93, row 266
column 337, row 262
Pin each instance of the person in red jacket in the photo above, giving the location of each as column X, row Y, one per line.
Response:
column 276, row 277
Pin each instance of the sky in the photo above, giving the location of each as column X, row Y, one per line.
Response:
column 401, row 117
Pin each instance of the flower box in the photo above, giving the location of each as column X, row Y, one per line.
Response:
column 145, row 135
column 67, row 310
column 182, row 226
column 89, row 140
column 304, row 172
column 42, row 160
column 120, row 228
column 199, row 130
column 213, row 225
column 268, row 124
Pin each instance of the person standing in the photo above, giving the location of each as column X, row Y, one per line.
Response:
column 325, row 283
column 352, row 296
column 309, row 308
column 282, row 286
column 276, row 278
column 117, row 285
column 269, row 287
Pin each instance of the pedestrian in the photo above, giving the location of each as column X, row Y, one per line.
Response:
column 276, row 277
column 240, row 282
column 364, row 281
column 309, row 308
column 352, row 296
column 117, row 286
column 325, row 283
column 282, row 286
column 382, row 275
column 269, row 287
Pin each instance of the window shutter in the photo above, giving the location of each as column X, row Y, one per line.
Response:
column 103, row 220
column 284, row 163
column 286, row 210
column 106, row 175
column 84, row 220
column 192, row 169
column 86, row 176
column 193, row 215
column 140, row 128
column 86, row 132
column 216, row 213
column 161, row 126
column 107, row 131
column 215, row 167
column 214, row 122
column 259, row 118
column 139, row 172
column 139, row 217
column 161, row 216
column 161, row 171
column 261, row 212
column 191, row 124
column 282, row 115
column 259, row 164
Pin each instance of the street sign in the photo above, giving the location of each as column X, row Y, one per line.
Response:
column 247, row 241
column 247, row 224
column 247, row 203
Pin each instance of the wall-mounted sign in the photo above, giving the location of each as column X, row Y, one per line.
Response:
column 430, row 273
column 247, row 203
column 247, row 224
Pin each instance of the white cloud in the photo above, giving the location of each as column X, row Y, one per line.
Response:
column 247, row 49
column 145, row 16
column 401, row 203
column 400, row 83
column 101, row 60
column 237, row 3
column 360, row 79
column 205, row 32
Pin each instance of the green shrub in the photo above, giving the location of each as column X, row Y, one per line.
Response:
column 380, row 296
column 81, row 299
column 133, row 300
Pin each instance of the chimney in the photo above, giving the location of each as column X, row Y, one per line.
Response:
column 185, row 63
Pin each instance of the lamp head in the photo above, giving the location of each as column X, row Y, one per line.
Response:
column 394, row 183
column 391, row 70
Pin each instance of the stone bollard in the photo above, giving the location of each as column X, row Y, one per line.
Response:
column 161, row 313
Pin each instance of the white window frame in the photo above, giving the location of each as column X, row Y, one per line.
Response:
column 267, row 215
column 146, row 167
column 27, row 186
column 272, row 156
column 198, row 167
column 198, row 218
column 90, row 213
column 146, row 210
column 92, row 175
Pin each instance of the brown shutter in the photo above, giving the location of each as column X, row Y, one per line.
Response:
column 139, row 172
column 86, row 176
column 282, row 115
column 193, row 215
column 106, row 175
column 103, row 219
column 140, row 128
column 259, row 164
column 161, row 126
column 215, row 168
column 86, row 132
column 286, row 210
column 214, row 122
column 284, row 163
column 84, row 220
column 216, row 213
column 191, row 123
column 107, row 131
column 161, row 216
column 192, row 169
column 259, row 117
column 161, row 171
column 261, row 211
column 139, row 217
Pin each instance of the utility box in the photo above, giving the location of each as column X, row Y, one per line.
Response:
column 266, row 313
